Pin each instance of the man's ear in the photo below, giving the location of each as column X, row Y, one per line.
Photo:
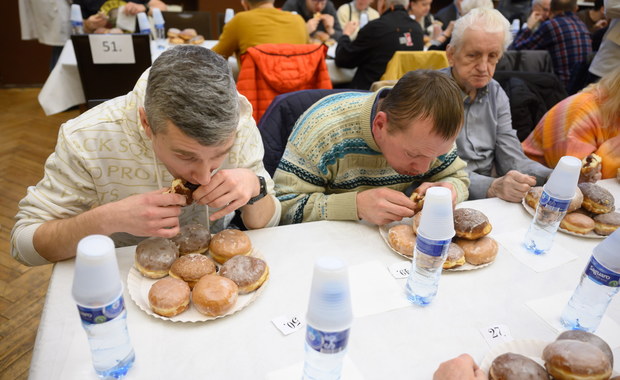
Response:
column 450, row 54
column 379, row 124
column 145, row 123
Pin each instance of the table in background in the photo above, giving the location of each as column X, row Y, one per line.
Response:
column 63, row 88
column 407, row 343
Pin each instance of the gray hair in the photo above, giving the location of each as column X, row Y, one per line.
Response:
column 537, row 2
column 192, row 87
column 488, row 20
column 404, row 3
column 468, row 5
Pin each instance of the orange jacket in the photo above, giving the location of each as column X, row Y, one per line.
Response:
column 269, row 70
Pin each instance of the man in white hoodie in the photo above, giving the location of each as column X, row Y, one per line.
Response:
column 111, row 166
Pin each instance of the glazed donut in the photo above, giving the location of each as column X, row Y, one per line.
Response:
column 402, row 239
column 511, row 366
column 188, row 34
column 478, row 252
column 169, row 296
column 588, row 337
column 576, row 360
column 576, row 202
column 470, row 223
column 190, row 268
column 606, row 224
column 532, row 196
column 596, row 198
column 228, row 243
column 173, row 32
column 197, row 40
column 193, row 238
column 184, row 188
column 248, row 272
column 215, row 295
column 455, row 257
column 578, row 223
column 415, row 223
column 176, row 41
column 154, row 256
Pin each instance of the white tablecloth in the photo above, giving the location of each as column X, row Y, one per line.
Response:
column 407, row 343
column 63, row 87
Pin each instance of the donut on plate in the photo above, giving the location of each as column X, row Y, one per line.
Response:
column 228, row 243
column 402, row 239
column 510, row 366
column 248, row 272
column 190, row 268
column 596, row 198
column 578, row 223
column 154, row 256
column 455, row 257
column 606, row 224
column 215, row 295
column 588, row 337
column 478, row 252
column 470, row 223
column 169, row 296
column 193, row 238
column 576, row 360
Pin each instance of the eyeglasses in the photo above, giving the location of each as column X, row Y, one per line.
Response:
column 319, row 1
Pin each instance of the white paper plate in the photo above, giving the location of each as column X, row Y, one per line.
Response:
column 531, row 348
column 589, row 235
column 384, row 230
column 139, row 286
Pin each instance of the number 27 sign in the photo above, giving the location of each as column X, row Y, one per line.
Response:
column 111, row 48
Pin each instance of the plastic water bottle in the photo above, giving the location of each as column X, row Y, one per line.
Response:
column 363, row 19
column 434, row 235
column 599, row 282
column 328, row 320
column 554, row 200
column 160, row 28
column 98, row 292
column 77, row 23
column 143, row 23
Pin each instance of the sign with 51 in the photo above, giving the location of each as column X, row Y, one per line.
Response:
column 112, row 48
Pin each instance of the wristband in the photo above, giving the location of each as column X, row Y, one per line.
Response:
column 262, row 192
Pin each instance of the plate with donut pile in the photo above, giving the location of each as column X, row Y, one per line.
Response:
column 470, row 249
column 590, row 214
column 196, row 287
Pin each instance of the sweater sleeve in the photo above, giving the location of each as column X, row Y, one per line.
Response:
column 228, row 42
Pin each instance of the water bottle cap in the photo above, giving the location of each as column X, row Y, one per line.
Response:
column 96, row 280
column 607, row 251
column 562, row 182
column 437, row 222
column 329, row 307
column 143, row 22
column 158, row 18
column 76, row 13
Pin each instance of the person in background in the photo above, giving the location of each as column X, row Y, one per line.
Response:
column 352, row 155
column 587, row 122
column 463, row 367
column 99, row 13
column 450, row 12
column 376, row 43
column 351, row 12
column 487, row 141
column 320, row 16
column 608, row 54
column 540, row 12
column 594, row 18
column 419, row 10
column 112, row 165
column 262, row 23
column 564, row 35
column 441, row 41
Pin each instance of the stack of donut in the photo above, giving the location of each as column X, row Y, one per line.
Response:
column 186, row 272
column 185, row 36
column 591, row 210
column 574, row 355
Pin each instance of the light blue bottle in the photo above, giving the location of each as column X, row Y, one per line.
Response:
column 599, row 282
column 554, row 200
column 160, row 28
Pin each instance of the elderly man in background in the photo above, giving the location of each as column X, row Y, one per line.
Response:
column 487, row 141
column 261, row 23
column 541, row 9
column 353, row 12
column 352, row 155
column 320, row 16
column 112, row 165
column 377, row 42
column 564, row 35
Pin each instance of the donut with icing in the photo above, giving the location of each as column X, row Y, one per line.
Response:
column 533, row 196
column 478, row 252
column 415, row 223
column 248, row 272
column 193, row 238
column 169, row 297
column 606, row 224
column 510, row 366
column 190, row 268
column 455, row 257
column 576, row 360
column 596, row 198
column 402, row 239
column 228, row 243
column 184, row 188
column 154, row 256
column 470, row 223
column 215, row 295
column 173, row 32
column 418, row 199
column 588, row 337
column 578, row 223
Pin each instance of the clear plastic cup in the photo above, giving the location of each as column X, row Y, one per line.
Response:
column 437, row 222
column 143, row 22
column 562, row 182
column 96, row 280
column 329, row 307
column 158, row 18
column 76, row 12
column 228, row 15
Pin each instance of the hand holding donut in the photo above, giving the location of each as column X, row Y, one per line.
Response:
column 383, row 205
column 426, row 185
column 512, row 187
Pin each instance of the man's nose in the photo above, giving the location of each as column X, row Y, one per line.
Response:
column 201, row 174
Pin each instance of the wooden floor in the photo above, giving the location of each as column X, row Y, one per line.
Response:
column 27, row 137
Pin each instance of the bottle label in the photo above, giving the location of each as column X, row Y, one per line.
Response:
column 431, row 247
column 601, row 275
column 549, row 202
column 102, row 314
column 327, row 342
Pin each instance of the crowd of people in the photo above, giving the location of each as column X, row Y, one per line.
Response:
column 353, row 155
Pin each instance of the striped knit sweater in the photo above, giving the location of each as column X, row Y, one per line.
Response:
column 331, row 156
column 574, row 127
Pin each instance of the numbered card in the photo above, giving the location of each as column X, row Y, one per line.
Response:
column 496, row 333
column 288, row 324
column 111, row 48
column 400, row 269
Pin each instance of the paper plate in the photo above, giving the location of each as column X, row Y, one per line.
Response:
column 384, row 230
column 589, row 235
column 531, row 348
column 139, row 286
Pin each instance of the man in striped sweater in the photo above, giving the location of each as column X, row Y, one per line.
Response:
column 352, row 155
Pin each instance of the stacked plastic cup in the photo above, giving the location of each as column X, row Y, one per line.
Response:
column 328, row 320
column 143, row 23
column 434, row 235
column 228, row 15
column 160, row 28
column 554, row 201
column 77, row 23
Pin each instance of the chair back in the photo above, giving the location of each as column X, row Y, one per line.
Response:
column 199, row 20
column 405, row 61
column 538, row 61
column 107, row 81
